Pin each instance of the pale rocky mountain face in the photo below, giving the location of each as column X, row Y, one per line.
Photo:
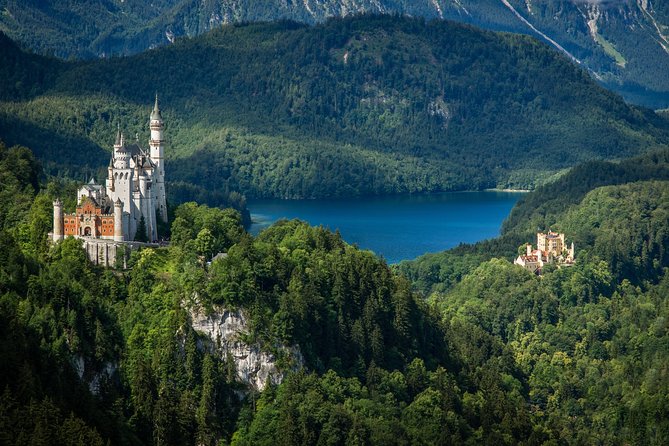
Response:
column 255, row 367
column 624, row 43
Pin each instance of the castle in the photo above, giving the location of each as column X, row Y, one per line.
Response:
column 134, row 193
column 551, row 248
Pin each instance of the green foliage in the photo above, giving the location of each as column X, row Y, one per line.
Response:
column 495, row 355
column 205, row 231
column 19, row 180
column 55, row 318
column 357, row 106
column 623, row 48
column 342, row 306
column 578, row 343
column 626, row 226
column 579, row 338
column 307, row 409
column 541, row 208
column 141, row 233
column 439, row 271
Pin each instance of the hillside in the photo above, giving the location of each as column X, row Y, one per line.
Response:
column 356, row 106
column 625, row 44
column 591, row 339
column 135, row 367
column 546, row 208
column 500, row 356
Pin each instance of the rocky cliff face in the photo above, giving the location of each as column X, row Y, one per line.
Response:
column 254, row 367
column 92, row 377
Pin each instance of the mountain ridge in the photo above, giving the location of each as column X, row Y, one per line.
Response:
column 624, row 43
column 356, row 106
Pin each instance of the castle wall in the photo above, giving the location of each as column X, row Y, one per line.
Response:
column 134, row 185
column 58, row 230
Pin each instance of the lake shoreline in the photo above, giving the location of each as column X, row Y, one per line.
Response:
column 397, row 227
column 382, row 196
column 520, row 191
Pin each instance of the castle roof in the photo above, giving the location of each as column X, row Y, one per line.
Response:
column 92, row 186
column 86, row 198
column 155, row 114
column 119, row 136
column 147, row 163
column 530, row 258
column 134, row 149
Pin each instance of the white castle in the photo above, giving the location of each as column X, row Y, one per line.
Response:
column 135, row 190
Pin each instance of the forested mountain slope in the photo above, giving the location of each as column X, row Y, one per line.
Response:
column 92, row 356
column 355, row 106
column 544, row 209
column 591, row 339
column 625, row 43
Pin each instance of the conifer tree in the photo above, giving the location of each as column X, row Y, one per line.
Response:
column 140, row 235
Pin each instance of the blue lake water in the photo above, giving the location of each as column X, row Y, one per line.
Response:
column 398, row 227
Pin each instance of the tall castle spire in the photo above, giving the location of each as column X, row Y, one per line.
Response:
column 119, row 136
column 155, row 114
column 157, row 144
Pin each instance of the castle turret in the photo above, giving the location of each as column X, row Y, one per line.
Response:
column 157, row 144
column 118, row 143
column 110, row 175
column 118, row 220
column 57, row 220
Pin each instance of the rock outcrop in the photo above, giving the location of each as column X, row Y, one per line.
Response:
column 254, row 366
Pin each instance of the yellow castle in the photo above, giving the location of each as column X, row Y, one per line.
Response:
column 551, row 248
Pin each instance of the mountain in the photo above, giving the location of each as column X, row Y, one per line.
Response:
column 625, row 44
column 356, row 106
column 296, row 337
column 588, row 338
column 546, row 208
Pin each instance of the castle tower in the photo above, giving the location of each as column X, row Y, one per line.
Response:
column 121, row 155
column 157, row 145
column 57, row 220
column 110, row 175
column 118, row 220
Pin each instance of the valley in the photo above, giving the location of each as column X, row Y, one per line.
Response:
column 353, row 107
column 294, row 332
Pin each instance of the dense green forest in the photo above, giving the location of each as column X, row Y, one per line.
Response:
column 492, row 355
column 540, row 210
column 356, row 106
column 111, row 355
column 620, row 42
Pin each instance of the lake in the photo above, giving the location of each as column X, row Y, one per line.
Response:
column 398, row 227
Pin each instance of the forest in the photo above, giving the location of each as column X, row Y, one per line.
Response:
column 356, row 106
column 540, row 210
column 620, row 42
column 459, row 348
